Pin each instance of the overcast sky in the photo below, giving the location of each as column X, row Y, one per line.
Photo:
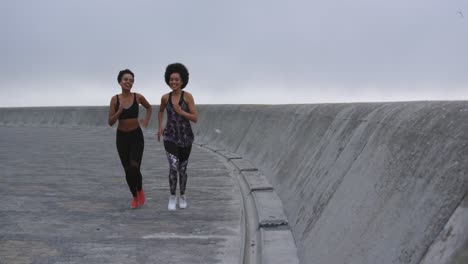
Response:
column 56, row 53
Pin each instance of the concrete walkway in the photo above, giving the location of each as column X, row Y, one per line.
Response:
column 64, row 199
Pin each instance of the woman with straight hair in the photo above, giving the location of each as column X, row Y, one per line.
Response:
column 124, row 107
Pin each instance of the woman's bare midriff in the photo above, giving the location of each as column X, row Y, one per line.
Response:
column 126, row 125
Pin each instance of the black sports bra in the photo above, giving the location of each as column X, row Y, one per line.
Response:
column 131, row 112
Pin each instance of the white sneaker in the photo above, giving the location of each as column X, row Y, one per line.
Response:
column 182, row 202
column 172, row 203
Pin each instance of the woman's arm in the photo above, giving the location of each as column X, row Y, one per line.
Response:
column 162, row 106
column 193, row 115
column 114, row 115
column 148, row 108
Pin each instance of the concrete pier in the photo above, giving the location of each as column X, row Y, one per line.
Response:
column 64, row 199
column 360, row 183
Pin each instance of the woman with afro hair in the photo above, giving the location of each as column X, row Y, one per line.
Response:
column 177, row 135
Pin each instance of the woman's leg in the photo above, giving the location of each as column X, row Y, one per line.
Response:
column 123, row 147
column 184, row 156
column 136, row 155
column 173, row 159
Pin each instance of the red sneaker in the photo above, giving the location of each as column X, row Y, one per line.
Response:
column 141, row 197
column 134, row 203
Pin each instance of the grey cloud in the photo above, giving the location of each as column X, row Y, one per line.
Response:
column 359, row 49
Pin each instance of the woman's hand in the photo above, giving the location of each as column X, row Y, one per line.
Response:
column 178, row 109
column 144, row 123
column 120, row 110
column 160, row 133
column 149, row 110
column 114, row 115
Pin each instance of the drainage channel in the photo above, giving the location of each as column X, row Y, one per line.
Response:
column 251, row 251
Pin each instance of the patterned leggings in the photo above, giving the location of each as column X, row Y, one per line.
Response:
column 178, row 160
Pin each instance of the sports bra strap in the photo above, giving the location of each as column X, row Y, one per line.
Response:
column 118, row 103
column 181, row 97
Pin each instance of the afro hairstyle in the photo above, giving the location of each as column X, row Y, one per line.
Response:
column 177, row 68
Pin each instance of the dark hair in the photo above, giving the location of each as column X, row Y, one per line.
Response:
column 177, row 68
column 121, row 74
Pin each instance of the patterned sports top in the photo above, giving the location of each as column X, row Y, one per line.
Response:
column 178, row 129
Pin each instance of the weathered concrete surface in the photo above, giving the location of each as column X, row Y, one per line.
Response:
column 65, row 200
column 278, row 247
column 269, row 209
column 228, row 155
column 263, row 213
column 360, row 183
column 257, row 181
column 451, row 246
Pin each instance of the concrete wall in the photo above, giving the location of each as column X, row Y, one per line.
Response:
column 53, row 116
column 360, row 183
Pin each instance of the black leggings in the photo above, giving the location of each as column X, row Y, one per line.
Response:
column 130, row 146
column 178, row 160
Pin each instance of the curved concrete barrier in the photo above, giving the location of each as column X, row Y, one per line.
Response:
column 360, row 183
column 268, row 237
